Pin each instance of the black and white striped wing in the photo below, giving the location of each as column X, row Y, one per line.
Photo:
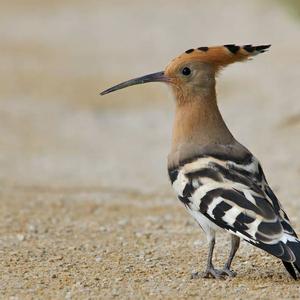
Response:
column 237, row 198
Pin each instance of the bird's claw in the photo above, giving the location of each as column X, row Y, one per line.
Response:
column 228, row 272
column 214, row 273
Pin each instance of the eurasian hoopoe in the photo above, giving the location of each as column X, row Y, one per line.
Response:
column 220, row 182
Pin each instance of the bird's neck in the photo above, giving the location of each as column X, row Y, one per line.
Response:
column 198, row 124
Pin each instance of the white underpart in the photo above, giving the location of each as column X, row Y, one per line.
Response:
column 208, row 226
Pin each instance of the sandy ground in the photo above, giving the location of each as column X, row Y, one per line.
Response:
column 86, row 209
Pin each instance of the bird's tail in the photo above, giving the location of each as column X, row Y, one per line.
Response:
column 288, row 250
column 293, row 247
column 221, row 56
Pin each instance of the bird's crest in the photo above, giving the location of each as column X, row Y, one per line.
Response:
column 220, row 56
column 215, row 57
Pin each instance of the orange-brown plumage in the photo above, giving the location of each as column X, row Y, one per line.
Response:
column 198, row 121
column 218, row 56
column 219, row 181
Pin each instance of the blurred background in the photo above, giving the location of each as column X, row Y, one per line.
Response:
column 56, row 56
column 59, row 138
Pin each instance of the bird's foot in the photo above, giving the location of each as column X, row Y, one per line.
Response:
column 227, row 272
column 214, row 273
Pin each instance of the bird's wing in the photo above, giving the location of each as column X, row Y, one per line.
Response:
column 234, row 195
column 284, row 219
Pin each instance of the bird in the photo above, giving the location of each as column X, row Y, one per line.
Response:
column 218, row 180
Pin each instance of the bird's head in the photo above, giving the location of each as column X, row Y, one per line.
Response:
column 194, row 71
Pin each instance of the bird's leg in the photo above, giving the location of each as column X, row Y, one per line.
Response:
column 235, row 243
column 210, row 270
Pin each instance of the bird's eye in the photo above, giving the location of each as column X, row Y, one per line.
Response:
column 186, row 71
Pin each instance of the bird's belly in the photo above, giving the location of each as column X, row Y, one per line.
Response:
column 203, row 221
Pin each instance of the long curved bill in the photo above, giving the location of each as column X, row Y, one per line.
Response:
column 154, row 77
